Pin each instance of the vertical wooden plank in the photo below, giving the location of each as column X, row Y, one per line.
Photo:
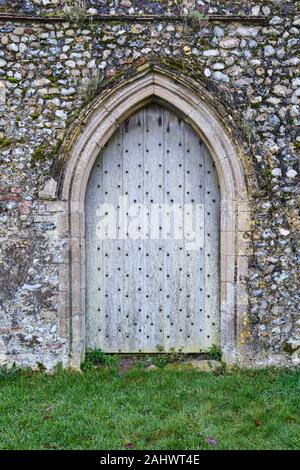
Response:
column 94, row 284
column 153, row 248
column 111, row 315
column 194, row 258
column 174, row 273
column 211, row 264
column 133, row 187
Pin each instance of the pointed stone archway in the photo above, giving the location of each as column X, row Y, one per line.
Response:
column 108, row 111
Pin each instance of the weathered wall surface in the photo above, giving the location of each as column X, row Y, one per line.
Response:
column 51, row 70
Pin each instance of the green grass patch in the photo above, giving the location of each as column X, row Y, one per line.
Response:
column 157, row 409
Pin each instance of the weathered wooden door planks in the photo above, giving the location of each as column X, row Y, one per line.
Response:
column 146, row 289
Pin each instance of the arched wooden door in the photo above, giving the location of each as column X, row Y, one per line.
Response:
column 148, row 290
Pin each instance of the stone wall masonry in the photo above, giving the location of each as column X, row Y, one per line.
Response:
column 158, row 7
column 50, row 72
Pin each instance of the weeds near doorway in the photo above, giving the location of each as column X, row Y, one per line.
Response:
column 215, row 353
column 96, row 358
column 159, row 360
column 123, row 363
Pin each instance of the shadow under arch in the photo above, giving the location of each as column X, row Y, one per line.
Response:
column 194, row 105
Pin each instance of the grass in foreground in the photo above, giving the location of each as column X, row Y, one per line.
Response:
column 157, row 409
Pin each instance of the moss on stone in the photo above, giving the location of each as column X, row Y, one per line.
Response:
column 288, row 348
column 5, row 142
column 297, row 144
column 42, row 154
column 53, row 79
column 267, row 175
column 39, row 153
column 12, row 80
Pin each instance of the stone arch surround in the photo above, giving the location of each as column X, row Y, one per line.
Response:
column 106, row 113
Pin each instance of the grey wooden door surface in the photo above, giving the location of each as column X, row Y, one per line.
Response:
column 152, row 294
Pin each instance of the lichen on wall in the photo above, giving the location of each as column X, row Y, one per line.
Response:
column 51, row 71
